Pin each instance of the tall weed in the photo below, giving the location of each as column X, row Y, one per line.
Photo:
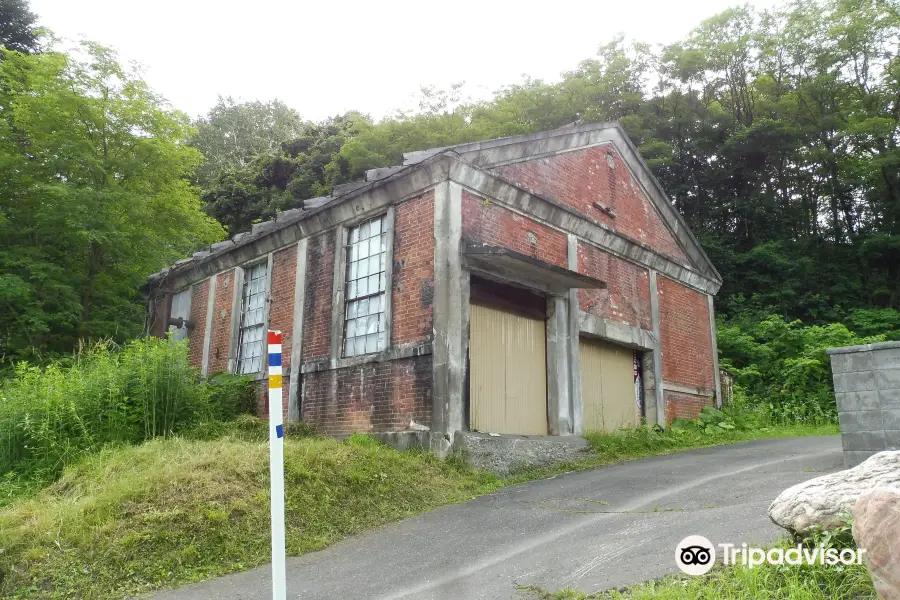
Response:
column 50, row 416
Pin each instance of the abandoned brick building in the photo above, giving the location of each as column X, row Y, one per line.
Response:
column 537, row 285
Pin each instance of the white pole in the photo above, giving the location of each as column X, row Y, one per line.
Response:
column 276, row 467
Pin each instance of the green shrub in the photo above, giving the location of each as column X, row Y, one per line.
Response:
column 51, row 416
column 875, row 321
column 782, row 367
column 232, row 395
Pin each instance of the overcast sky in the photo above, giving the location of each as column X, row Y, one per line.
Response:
column 325, row 57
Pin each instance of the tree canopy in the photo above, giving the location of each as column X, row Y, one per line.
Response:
column 775, row 133
column 95, row 195
column 17, row 27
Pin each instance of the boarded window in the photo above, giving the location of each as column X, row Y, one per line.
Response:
column 364, row 316
column 253, row 316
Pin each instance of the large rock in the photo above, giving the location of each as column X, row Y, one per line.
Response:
column 876, row 527
column 828, row 500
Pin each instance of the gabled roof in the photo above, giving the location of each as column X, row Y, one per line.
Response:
column 423, row 168
column 502, row 151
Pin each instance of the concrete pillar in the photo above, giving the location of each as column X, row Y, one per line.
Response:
column 575, row 401
column 558, row 379
column 715, row 351
column 649, row 384
column 657, row 353
column 297, row 334
column 451, row 318
column 207, row 331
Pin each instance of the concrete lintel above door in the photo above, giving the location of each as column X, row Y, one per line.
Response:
column 514, row 266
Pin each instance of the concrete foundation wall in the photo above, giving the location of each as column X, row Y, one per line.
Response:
column 867, row 389
column 510, row 453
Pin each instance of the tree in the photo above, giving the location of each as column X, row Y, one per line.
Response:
column 95, row 196
column 17, row 27
column 281, row 178
column 776, row 133
column 234, row 133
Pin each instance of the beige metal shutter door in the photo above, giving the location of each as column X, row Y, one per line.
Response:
column 607, row 386
column 508, row 372
column 592, row 385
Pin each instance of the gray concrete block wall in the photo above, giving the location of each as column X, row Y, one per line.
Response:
column 867, row 389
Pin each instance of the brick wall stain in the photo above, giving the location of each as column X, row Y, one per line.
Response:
column 319, row 297
column 221, row 330
column 199, row 296
column 685, row 336
column 281, row 309
column 376, row 397
column 627, row 297
column 598, row 174
column 487, row 222
column 684, row 406
column 413, row 270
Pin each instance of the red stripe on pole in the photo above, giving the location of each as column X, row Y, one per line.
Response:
column 274, row 337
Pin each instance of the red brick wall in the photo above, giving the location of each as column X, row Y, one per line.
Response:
column 582, row 177
column 685, row 337
column 281, row 317
column 281, row 309
column 319, row 297
column 221, row 331
column 488, row 222
column 262, row 406
column 413, row 276
column 684, row 406
column 199, row 296
column 627, row 299
column 372, row 397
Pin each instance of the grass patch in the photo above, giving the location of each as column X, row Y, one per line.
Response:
column 104, row 395
column 172, row 511
column 784, row 582
column 643, row 442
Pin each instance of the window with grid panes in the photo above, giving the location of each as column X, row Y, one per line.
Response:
column 364, row 322
column 252, row 333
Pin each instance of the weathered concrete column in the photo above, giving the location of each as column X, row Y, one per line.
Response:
column 657, row 353
column 575, row 401
column 715, row 350
column 558, row 379
column 867, row 389
column 297, row 334
column 207, row 330
column 451, row 318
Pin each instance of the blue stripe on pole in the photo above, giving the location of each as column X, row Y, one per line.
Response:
column 279, row 430
column 275, row 360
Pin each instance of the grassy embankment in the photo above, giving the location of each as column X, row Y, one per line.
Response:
column 172, row 511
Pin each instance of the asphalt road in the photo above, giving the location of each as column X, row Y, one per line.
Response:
column 591, row 531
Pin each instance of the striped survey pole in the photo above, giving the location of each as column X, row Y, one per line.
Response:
column 276, row 467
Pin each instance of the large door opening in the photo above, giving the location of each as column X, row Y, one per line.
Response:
column 607, row 386
column 507, row 361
